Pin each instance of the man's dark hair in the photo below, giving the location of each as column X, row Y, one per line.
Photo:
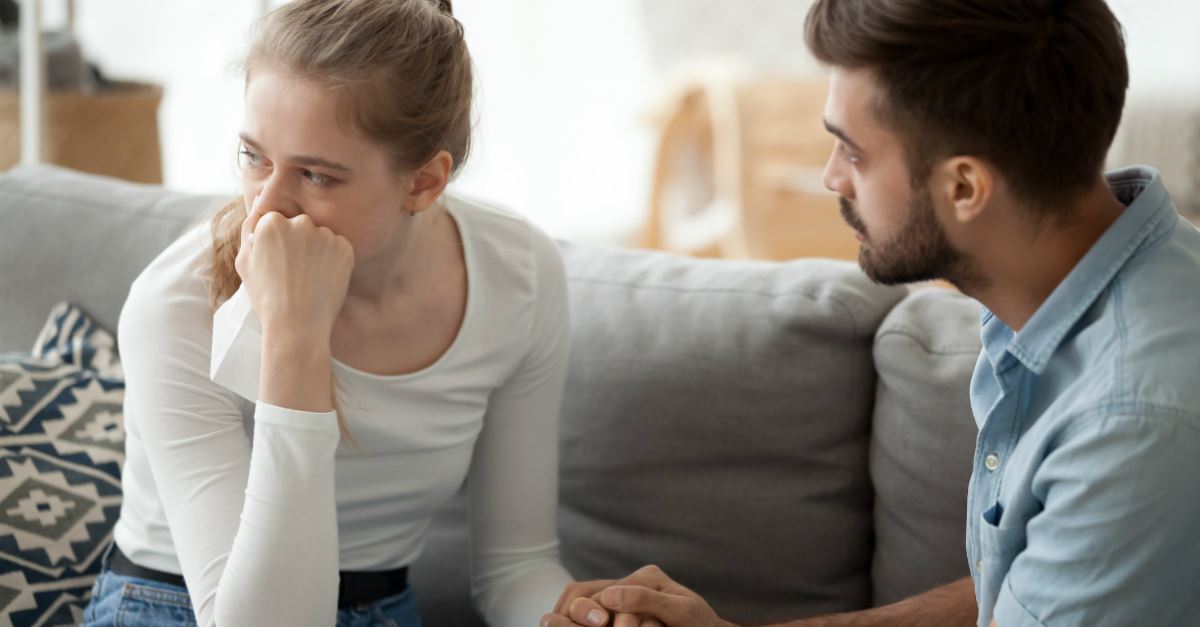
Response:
column 1034, row 87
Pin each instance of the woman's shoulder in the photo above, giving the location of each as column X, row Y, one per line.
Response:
column 505, row 243
column 496, row 224
column 504, row 240
column 172, row 290
column 182, row 266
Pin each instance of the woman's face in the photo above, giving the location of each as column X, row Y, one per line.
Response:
column 299, row 159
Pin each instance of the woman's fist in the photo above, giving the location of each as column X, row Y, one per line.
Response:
column 295, row 272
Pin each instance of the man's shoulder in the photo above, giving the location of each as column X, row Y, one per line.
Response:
column 1140, row 344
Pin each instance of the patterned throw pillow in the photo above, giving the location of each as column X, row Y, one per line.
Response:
column 62, row 446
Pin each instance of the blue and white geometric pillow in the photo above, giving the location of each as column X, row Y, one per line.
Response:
column 62, row 447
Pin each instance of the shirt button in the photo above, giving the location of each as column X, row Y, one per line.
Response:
column 992, row 462
column 979, row 566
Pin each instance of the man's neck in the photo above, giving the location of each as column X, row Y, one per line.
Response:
column 1025, row 266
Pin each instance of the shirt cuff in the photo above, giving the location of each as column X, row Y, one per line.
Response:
column 295, row 418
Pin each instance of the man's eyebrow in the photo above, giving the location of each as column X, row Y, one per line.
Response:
column 300, row 159
column 840, row 134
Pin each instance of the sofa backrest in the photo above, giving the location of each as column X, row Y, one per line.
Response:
column 717, row 423
column 82, row 238
column 922, row 442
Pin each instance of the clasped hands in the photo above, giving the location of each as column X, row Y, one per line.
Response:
column 647, row 598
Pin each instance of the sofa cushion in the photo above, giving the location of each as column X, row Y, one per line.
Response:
column 717, row 423
column 922, row 442
column 62, row 445
column 75, row 237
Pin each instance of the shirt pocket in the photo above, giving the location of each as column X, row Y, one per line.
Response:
column 1000, row 537
column 150, row 606
column 999, row 543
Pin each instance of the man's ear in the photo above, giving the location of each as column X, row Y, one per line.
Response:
column 966, row 185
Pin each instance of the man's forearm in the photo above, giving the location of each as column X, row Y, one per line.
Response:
column 950, row 605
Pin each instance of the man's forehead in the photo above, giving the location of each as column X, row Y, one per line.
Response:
column 852, row 94
column 853, row 104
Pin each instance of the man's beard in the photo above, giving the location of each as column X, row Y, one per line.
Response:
column 919, row 252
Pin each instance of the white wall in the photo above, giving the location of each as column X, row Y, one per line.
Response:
column 1163, row 40
column 563, row 86
column 559, row 136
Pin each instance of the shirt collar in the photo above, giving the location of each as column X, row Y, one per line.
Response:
column 1148, row 210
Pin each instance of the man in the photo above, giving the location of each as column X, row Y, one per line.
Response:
column 971, row 140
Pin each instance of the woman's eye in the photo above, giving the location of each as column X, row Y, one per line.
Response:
column 319, row 180
column 251, row 158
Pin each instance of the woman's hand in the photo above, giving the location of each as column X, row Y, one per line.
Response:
column 646, row 598
column 296, row 273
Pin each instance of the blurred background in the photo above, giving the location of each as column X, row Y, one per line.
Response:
column 688, row 125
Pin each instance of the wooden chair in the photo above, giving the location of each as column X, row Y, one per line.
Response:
column 738, row 173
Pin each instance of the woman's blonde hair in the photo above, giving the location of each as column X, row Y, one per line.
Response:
column 403, row 78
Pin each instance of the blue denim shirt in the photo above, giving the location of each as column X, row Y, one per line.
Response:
column 1084, row 502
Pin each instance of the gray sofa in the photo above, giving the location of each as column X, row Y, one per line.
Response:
column 788, row 439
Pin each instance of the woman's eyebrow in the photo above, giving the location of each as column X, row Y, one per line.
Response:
column 299, row 159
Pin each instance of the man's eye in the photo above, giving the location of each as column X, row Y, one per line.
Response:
column 846, row 154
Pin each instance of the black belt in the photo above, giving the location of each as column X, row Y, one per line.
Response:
column 354, row 587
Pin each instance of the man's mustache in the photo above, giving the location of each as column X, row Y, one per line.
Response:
column 850, row 216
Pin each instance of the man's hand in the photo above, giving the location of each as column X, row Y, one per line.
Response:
column 579, row 607
column 647, row 598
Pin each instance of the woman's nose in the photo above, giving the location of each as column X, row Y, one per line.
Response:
column 273, row 197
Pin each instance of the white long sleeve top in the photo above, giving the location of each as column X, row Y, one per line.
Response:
column 259, row 506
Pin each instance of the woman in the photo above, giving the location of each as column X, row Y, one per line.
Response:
column 440, row 322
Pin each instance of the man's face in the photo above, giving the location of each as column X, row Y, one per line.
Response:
column 892, row 213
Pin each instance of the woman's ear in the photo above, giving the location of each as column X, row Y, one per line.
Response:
column 429, row 182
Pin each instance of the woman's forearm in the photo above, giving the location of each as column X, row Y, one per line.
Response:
column 289, row 514
column 296, row 371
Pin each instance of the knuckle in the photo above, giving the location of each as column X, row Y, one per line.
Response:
column 270, row 220
column 651, row 571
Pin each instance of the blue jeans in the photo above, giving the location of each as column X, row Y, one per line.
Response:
column 121, row 601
